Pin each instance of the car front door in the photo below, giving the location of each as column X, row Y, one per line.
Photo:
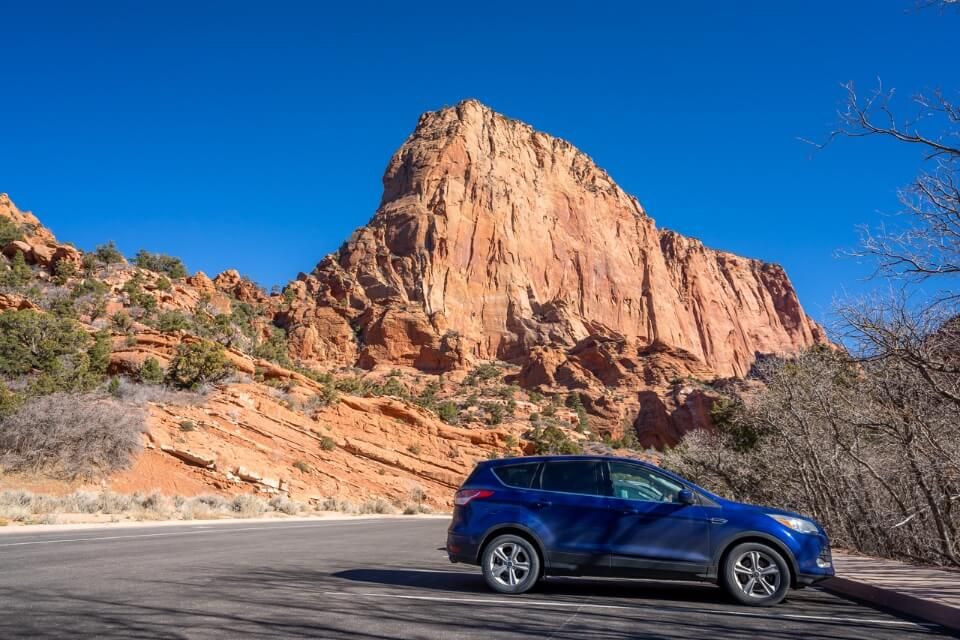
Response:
column 654, row 533
column 571, row 503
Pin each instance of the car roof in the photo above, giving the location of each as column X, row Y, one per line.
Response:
column 569, row 458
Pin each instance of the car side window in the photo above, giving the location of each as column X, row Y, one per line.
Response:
column 517, row 475
column 634, row 482
column 573, row 476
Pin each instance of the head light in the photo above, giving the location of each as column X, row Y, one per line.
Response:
column 797, row 524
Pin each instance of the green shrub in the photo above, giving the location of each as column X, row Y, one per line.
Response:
column 629, row 439
column 10, row 401
column 391, row 387
column 188, row 425
column 327, row 395
column 575, row 403
column 198, row 363
column 62, row 306
column 353, row 385
column 449, row 412
column 90, row 286
column 108, row 253
column 113, row 387
column 495, row 412
column 121, row 321
column 9, row 231
column 218, row 327
column 63, row 270
column 150, row 371
column 32, row 341
column 551, row 409
column 301, row 466
column 551, row 440
column 163, row 284
column 100, row 352
column 275, row 348
column 18, row 275
column 171, row 321
column 160, row 263
column 508, row 392
column 414, row 449
column 482, row 373
column 327, row 443
column 89, row 263
column 427, row 398
column 242, row 316
column 137, row 296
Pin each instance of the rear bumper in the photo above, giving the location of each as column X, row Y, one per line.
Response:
column 462, row 548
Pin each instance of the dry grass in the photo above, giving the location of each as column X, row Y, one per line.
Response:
column 375, row 505
column 69, row 436
column 34, row 508
column 138, row 394
column 28, row 507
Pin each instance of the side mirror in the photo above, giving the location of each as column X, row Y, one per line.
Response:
column 685, row 496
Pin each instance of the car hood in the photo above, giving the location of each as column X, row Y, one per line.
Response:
column 743, row 506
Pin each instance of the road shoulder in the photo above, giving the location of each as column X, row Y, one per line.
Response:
column 928, row 594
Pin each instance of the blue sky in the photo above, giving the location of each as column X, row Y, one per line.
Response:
column 255, row 135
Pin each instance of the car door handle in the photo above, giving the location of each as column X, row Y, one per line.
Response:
column 541, row 504
column 718, row 521
column 630, row 512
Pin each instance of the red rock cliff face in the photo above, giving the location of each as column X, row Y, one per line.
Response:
column 493, row 239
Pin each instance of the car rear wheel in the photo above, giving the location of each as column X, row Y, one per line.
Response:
column 756, row 574
column 510, row 564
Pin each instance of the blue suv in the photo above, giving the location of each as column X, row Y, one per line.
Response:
column 523, row 518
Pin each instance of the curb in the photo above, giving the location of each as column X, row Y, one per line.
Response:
column 927, row 610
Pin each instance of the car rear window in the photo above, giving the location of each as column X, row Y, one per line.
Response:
column 575, row 476
column 517, row 475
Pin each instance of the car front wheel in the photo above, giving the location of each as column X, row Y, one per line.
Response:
column 756, row 574
column 510, row 564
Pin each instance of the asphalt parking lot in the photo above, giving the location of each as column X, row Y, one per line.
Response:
column 376, row 578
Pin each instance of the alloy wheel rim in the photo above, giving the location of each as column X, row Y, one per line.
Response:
column 509, row 564
column 757, row 574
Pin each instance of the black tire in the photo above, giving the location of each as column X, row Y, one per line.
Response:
column 510, row 564
column 755, row 574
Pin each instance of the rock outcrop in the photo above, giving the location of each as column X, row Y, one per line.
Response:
column 495, row 241
column 519, row 241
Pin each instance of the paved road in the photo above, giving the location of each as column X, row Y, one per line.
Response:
column 366, row 579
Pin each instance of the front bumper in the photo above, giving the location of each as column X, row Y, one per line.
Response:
column 820, row 568
column 462, row 548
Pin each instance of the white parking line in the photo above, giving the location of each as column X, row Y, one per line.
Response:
column 188, row 532
column 523, row 602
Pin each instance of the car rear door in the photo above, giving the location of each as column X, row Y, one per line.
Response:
column 570, row 502
column 653, row 533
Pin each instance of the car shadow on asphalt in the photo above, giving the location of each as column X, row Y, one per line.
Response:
column 577, row 588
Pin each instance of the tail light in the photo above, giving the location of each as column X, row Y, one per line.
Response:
column 466, row 496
